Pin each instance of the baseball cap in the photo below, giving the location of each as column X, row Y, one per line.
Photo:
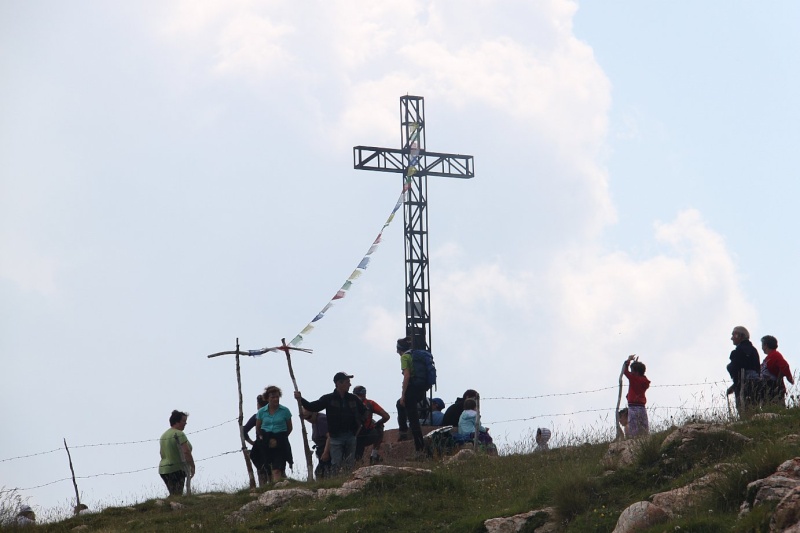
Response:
column 340, row 376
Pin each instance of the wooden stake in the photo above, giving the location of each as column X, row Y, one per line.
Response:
column 286, row 349
column 309, row 463
column 74, row 483
column 620, row 433
column 477, row 422
column 241, row 420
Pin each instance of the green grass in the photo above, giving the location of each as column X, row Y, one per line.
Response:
column 461, row 496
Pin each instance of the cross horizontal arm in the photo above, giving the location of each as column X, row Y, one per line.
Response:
column 393, row 160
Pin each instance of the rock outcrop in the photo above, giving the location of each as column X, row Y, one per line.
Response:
column 357, row 482
column 513, row 524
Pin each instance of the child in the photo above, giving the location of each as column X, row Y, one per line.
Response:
column 467, row 426
column 637, row 385
column 623, row 421
column 542, row 436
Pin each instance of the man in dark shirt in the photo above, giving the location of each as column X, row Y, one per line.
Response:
column 745, row 363
column 345, row 413
column 453, row 412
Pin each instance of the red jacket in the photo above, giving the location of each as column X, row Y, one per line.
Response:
column 776, row 366
column 637, row 385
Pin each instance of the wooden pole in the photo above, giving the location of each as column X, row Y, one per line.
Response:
column 477, row 422
column 740, row 406
column 74, row 483
column 306, row 447
column 241, row 420
column 620, row 433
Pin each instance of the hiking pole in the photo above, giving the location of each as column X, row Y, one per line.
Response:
column 620, row 433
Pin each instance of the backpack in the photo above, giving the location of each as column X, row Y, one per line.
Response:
column 423, row 369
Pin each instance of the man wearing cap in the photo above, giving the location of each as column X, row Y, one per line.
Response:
column 345, row 413
column 372, row 432
column 437, row 414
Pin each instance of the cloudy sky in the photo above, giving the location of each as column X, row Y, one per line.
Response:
column 174, row 175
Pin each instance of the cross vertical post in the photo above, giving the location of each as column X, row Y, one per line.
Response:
column 415, row 163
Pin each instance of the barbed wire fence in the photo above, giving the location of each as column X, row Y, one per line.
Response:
column 660, row 413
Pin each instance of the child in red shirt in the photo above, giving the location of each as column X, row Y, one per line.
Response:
column 773, row 369
column 637, row 385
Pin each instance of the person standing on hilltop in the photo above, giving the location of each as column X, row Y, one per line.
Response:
column 744, row 360
column 638, row 384
column 773, row 369
column 273, row 427
column 407, row 412
column 346, row 413
column 176, row 454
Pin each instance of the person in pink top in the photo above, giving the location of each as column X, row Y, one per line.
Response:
column 637, row 385
column 773, row 369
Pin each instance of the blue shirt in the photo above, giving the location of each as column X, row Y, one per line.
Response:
column 466, row 423
column 274, row 423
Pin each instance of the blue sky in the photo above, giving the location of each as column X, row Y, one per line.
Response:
column 176, row 175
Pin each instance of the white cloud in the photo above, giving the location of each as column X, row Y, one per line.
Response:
column 589, row 308
column 25, row 266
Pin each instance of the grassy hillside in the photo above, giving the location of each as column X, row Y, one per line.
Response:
column 459, row 497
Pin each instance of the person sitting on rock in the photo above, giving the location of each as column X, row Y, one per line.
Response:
column 468, row 425
column 437, row 414
column 372, row 432
column 453, row 412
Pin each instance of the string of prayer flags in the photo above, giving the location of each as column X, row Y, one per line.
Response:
column 364, row 263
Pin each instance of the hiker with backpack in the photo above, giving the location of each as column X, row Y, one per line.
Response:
column 419, row 375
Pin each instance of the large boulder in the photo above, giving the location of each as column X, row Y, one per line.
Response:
column 775, row 486
column 639, row 516
column 675, row 501
column 685, row 436
column 546, row 517
column 620, row 453
column 359, row 479
column 786, row 516
column 665, row 505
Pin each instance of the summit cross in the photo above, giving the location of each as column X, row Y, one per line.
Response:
column 415, row 163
